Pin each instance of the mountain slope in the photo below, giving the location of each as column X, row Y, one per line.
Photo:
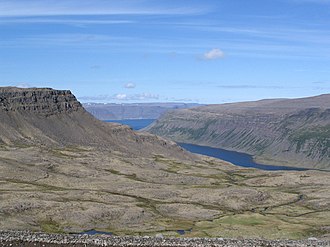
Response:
column 54, row 117
column 294, row 132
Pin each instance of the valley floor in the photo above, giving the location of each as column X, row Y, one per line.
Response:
column 74, row 189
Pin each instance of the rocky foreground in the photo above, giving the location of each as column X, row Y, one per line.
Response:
column 25, row 238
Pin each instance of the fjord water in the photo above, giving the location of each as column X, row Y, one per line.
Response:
column 236, row 158
column 135, row 124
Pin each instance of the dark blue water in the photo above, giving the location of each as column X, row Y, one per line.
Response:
column 94, row 232
column 236, row 158
column 135, row 124
column 183, row 232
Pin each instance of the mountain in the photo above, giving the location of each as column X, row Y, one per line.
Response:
column 291, row 132
column 55, row 117
column 62, row 170
column 111, row 111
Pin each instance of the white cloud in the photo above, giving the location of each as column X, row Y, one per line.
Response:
column 130, row 85
column 121, row 96
column 213, row 54
column 23, row 85
column 144, row 96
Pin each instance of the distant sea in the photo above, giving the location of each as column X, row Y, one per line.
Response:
column 236, row 158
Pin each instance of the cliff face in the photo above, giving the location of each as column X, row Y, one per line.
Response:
column 42, row 101
column 43, row 116
column 282, row 132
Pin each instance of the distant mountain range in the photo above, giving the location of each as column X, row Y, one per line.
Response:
column 293, row 132
column 112, row 111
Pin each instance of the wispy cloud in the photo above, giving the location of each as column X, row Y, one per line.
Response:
column 274, row 33
column 320, row 82
column 129, row 85
column 93, row 7
column 140, row 96
column 237, row 40
column 235, row 46
column 213, row 54
column 247, row 86
column 143, row 97
column 24, row 85
column 68, row 39
column 60, row 20
column 121, row 97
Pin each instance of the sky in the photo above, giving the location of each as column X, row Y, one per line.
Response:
column 210, row 51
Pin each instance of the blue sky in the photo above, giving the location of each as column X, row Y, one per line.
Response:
column 209, row 51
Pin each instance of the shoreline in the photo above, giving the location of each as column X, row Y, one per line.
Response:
column 27, row 239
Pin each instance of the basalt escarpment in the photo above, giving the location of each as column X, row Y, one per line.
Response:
column 282, row 132
column 44, row 101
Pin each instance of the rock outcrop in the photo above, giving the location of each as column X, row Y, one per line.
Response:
column 282, row 131
column 44, row 101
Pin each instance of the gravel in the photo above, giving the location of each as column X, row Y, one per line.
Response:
column 27, row 239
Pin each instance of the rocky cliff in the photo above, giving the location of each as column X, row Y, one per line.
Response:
column 41, row 101
column 282, row 131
